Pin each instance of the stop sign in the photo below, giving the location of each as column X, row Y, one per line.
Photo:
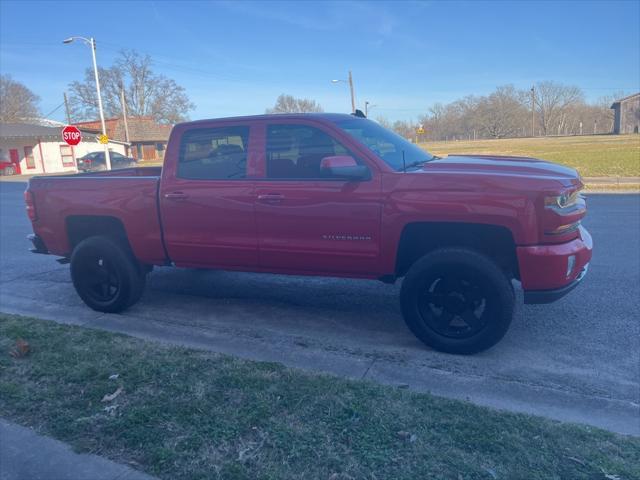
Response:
column 71, row 135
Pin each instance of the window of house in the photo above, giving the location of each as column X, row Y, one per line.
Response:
column 66, row 152
column 214, row 153
column 28, row 155
column 295, row 151
column 139, row 152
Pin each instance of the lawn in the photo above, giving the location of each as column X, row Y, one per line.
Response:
column 591, row 155
column 191, row 414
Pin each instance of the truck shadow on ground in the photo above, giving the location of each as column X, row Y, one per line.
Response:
column 333, row 294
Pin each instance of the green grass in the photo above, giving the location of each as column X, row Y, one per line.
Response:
column 194, row 415
column 591, row 155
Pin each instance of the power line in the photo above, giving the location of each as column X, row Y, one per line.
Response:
column 54, row 110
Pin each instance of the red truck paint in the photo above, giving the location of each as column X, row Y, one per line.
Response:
column 314, row 227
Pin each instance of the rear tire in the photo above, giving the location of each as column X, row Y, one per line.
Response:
column 106, row 275
column 457, row 300
column 9, row 171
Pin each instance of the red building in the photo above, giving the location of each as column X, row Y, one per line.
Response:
column 147, row 138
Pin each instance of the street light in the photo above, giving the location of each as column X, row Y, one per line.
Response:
column 368, row 106
column 353, row 96
column 91, row 42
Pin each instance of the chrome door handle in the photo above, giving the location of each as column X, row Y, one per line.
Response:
column 271, row 198
column 176, row 196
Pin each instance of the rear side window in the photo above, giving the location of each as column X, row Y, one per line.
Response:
column 295, row 151
column 214, row 153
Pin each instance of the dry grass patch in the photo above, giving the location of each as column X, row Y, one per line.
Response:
column 591, row 155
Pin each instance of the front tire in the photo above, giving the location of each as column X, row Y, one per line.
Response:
column 106, row 275
column 457, row 300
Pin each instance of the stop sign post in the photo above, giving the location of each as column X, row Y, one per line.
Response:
column 71, row 135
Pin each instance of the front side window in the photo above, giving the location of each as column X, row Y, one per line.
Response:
column 393, row 149
column 214, row 153
column 295, row 151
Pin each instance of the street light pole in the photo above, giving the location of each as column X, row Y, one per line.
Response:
column 368, row 106
column 351, row 90
column 92, row 44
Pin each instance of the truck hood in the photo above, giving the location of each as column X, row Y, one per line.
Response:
column 501, row 166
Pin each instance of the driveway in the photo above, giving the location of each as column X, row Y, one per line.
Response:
column 575, row 360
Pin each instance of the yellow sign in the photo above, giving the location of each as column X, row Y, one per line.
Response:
column 103, row 139
column 420, row 130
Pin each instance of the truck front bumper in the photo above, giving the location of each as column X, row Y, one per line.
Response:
column 549, row 272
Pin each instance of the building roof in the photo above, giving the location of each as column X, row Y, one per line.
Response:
column 626, row 99
column 18, row 130
column 29, row 130
column 141, row 129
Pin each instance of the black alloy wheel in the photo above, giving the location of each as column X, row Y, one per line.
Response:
column 457, row 300
column 106, row 275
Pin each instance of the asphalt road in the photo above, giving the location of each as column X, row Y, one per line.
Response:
column 575, row 360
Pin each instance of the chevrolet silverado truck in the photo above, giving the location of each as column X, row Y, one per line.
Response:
column 328, row 195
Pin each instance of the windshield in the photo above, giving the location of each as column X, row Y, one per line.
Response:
column 385, row 144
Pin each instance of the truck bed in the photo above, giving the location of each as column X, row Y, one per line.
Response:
column 128, row 196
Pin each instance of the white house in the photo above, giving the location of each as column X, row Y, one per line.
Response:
column 38, row 149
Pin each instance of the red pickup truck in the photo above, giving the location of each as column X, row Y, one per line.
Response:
column 329, row 195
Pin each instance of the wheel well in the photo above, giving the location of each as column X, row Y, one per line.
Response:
column 80, row 227
column 418, row 239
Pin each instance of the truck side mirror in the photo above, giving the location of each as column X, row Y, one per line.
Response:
column 343, row 166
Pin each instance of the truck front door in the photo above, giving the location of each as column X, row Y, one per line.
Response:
column 206, row 200
column 308, row 221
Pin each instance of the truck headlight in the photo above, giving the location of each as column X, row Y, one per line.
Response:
column 566, row 199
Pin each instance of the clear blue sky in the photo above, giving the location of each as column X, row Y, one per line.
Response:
column 235, row 58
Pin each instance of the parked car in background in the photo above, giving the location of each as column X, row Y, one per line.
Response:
column 95, row 161
column 6, row 166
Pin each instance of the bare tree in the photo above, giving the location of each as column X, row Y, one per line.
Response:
column 404, row 128
column 503, row 113
column 146, row 93
column 290, row 104
column 384, row 122
column 17, row 102
column 553, row 100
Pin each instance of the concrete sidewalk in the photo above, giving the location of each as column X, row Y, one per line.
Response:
column 25, row 455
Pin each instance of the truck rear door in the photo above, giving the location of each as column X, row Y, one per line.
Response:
column 206, row 200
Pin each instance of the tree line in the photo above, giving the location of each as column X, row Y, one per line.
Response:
column 550, row 108
column 146, row 93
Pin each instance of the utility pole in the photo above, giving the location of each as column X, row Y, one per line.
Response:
column 66, row 107
column 124, row 118
column 533, row 112
column 107, row 155
column 353, row 96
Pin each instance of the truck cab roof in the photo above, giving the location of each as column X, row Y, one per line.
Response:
column 329, row 117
